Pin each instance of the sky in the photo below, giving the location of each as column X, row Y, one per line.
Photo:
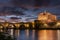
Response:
column 27, row 10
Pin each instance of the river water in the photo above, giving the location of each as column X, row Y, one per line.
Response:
column 34, row 34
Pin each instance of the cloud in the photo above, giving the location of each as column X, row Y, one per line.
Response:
column 14, row 18
column 24, row 3
column 10, row 11
column 37, row 2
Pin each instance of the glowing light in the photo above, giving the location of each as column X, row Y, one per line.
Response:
column 58, row 24
column 46, row 17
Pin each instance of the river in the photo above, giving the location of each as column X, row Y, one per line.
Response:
column 34, row 34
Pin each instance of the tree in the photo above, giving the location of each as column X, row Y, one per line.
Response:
column 3, row 36
column 51, row 24
column 30, row 25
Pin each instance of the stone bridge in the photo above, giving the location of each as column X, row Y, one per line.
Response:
column 12, row 25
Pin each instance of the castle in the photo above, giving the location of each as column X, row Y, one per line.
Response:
column 47, row 17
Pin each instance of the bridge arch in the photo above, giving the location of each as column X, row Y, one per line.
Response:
column 11, row 25
column 1, row 26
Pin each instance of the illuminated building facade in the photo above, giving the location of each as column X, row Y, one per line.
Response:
column 46, row 17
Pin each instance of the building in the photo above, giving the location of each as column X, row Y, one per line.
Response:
column 47, row 17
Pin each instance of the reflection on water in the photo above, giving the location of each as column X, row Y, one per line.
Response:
column 33, row 34
column 47, row 35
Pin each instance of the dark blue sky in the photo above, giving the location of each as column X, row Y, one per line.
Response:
column 52, row 6
column 38, row 2
column 49, row 4
column 31, row 2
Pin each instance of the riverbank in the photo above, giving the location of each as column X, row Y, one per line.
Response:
column 33, row 28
